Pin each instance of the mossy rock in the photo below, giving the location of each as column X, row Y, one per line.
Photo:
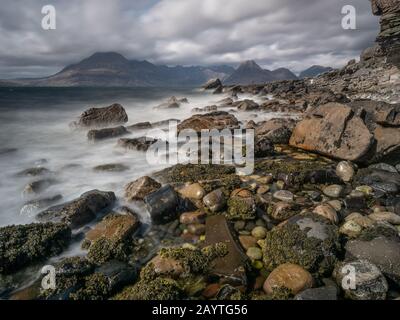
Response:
column 307, row 240
column 103, row 250
column 24, row 244
column 156, row 289
column 241, row 208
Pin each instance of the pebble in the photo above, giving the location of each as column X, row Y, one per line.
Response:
column 239, row 225
column 333, row 191
column 335, row 204
column 193, row 191
column 197, row 229
column 325, row 210
column 290, row 276
column 247, row 241
column 192, row 217
column 259, row 233
column 390, row 217
column 367, row 190
column 215, row 200
column 263, row 189
column 384, row 167
column 350, row 229
column 284, row 195
column 345, row 171
column 254, row 253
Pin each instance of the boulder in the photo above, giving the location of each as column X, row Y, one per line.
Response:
column 24, row 244
column 80, row 211
column 370, row 284
column 380, row 251
column 101, row 134
column 103, row 117
column 139, row 144
column 246, row 105
column 140, row 126
column 163, row 205
column 215, row 120
column 172, row 103
column 212, row 84
column 31, row 207
column 140, row 188
column 333, row 130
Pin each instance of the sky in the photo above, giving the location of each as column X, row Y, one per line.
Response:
column 275, row 33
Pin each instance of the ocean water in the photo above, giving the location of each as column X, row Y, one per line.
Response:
column 35, row 132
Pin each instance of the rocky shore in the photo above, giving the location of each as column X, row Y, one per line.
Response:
column 324, row 199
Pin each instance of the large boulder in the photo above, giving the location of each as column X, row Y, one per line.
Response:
column 103, row 117
column 80, row 211
column 334, row 130
column 23, row 244
column 101, row 134
column 215, row 120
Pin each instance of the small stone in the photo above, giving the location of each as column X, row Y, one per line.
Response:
column 384, row 167
column 361, row 220
column 335, row 204
column 263, row 189
column 345, row 171
column 333, row 191
column 290, row 276
column 284, row 195
column 239, row 225
column 215, row 200
column 257, row 264
column 350, row 229
column 390, row 217
column 259, row 233
column 211, row 290
column 197, row 229
column 325, row 210
column 283, row 210
column 192, row 217
column 254, row 253
column 265, row 179
column 280, row 184
column 247, row 241
column 193, row 191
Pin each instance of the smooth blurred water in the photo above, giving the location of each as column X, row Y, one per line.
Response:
column 35, row 122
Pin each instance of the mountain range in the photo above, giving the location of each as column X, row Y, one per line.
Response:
column 314, row 71
column 111, row 69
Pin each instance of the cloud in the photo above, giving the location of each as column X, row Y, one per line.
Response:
column 276, row 33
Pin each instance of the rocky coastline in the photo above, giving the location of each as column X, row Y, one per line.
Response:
column 324, row 196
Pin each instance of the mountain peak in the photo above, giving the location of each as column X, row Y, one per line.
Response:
column 250, row 64
column 106, row 57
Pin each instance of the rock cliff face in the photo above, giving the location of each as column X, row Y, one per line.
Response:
column 389, row 35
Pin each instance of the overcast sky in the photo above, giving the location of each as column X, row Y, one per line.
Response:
column 275, row 33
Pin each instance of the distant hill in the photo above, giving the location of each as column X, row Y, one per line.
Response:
column 112, row 69
column 314, row 71
column 249, row 72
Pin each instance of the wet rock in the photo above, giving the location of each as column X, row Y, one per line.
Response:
column 390, row 217
column 336, row 132
column 106, row 240
column 345, row 170
column 263, row 147
column 284, row 195
column 370, row 284
column 306, row 240
column 80, row 211
column 212, row 84
column 172, row 103
column 193, row 191
column 333, row 191
column 379, row 180
column 33, row 172
column 140, row 126
column 38, row 186
column 118, row 274
column 32, row 207
column 108, row 133
column 282, row 211
column 384, row 167
column 290, row 276
column 162, row 205
column 326, row 293
column 232, row 267
column 246, row 105
column 139, row 144
column 215, row 120
column 103, row 117
column 381, row 251
column 140, row 188
column 326, row 211
column 112, row 167
column 197, row 229
column 215, row 200
column 351, row 229
column 241, row 205
column 24, row 244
